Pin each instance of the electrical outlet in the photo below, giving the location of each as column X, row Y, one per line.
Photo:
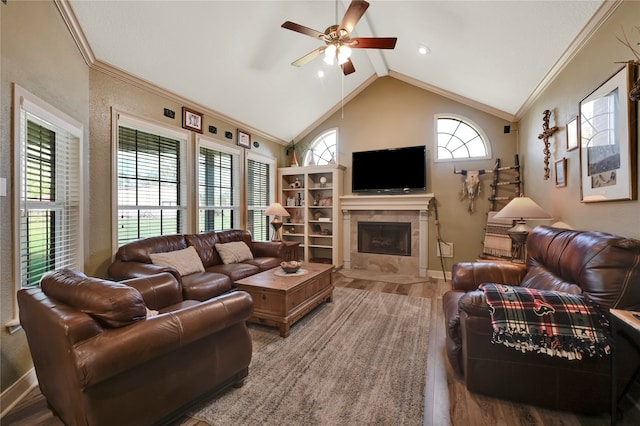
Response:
column 445, row 248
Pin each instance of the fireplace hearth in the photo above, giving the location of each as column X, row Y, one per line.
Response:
column 390, row 238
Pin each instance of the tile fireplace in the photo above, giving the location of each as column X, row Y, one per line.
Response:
column 384, row 215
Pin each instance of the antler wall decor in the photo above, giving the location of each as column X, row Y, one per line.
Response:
column 547, row 132
column 634, row 92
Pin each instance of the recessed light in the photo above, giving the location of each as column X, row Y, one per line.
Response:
column 423, row 50
column 320, row 73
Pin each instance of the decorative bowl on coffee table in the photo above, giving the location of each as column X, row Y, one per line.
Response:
column 291, row 267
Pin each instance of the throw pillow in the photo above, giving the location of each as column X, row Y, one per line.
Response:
column 185, row 261
column 234, row 252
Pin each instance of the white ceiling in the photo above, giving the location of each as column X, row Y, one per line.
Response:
column 234, row 58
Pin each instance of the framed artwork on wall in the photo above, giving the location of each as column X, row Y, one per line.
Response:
column 191, row 120
column 572, row 134
column 608, row 169
column 244, row 139
column 560, row 167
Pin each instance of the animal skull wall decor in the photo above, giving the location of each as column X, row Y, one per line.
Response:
column 470, row 187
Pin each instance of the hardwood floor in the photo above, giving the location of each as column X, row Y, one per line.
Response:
column 447, row 402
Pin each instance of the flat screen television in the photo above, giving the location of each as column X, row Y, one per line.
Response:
column 394, row 170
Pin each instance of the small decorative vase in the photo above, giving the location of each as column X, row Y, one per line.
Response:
column 294, row 160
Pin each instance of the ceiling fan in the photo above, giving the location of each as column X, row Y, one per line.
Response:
column 338, row 39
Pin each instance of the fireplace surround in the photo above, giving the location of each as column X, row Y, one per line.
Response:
column 410, row 208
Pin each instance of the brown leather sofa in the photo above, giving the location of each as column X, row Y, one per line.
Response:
column 602, row 266
column 100, row 360
column 133, row 260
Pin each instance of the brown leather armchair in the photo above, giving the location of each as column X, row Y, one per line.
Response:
column 604, row 267
column 101, row 359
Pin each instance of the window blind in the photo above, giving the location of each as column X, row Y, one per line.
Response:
column 259, row 196
column 217, row 189
column 150, row 185
column 50, row 187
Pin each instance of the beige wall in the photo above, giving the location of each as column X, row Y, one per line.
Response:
column 391, row 113
column 39, row 55
column 595, row 64
column 107, row 94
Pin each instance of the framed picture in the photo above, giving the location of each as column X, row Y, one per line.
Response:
column 561, row 172
column 608, row 141
column 244, row 139
column 572, row 134
column 191, row 120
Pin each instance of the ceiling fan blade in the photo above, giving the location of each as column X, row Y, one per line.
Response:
column 347, row 67
column 353, row 14
column 373, row 42
column 309, row 57
column 303, row 30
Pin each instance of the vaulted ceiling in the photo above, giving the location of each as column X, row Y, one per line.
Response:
column 234, row 58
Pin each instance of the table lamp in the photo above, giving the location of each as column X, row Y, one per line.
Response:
column 275, row 210
column 521, row 209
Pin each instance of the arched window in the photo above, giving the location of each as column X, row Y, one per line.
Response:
column 459, row 139
column 323, row 149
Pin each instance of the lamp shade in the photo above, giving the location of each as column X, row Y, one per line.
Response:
column 521, row 208
column 276, row 209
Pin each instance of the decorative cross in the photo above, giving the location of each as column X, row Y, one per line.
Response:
column 547, row 132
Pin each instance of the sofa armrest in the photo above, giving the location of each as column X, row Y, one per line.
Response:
column 268, row 249
column 118, row 350
column 474, row 303
column 158, row 291
column 120, row 270
column 467, row 276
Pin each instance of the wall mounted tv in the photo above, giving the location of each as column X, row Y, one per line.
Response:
column 394, row 170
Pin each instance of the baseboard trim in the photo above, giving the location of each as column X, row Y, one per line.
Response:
column 438, row 274
column 14, row 394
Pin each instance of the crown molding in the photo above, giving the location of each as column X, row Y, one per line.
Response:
column 453, row 96
column 69, row 17
column 603, row 13
column 81, row 41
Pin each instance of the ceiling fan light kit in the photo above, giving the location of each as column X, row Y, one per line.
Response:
column 338, row 39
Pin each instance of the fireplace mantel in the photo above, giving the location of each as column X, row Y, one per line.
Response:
column 406, row 202
column 386, row 202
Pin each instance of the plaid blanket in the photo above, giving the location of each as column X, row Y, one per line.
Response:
column 549, row 322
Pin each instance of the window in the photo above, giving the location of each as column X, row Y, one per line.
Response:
column 459, row 139
column 323, row 149
column 260, row 194
column 49, row 177
column 151, row 181
column 218, row 183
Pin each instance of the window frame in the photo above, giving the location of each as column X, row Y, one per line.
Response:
column 186, row 151
column 272, row 188
column 236, row 153
column 468, row 122
column 316, row 140
column 56, row 120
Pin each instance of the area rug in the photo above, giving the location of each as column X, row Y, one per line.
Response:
column 386, row 277
column 359, row 360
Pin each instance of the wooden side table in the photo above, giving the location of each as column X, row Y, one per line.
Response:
column 625, row 325
column 291, row 250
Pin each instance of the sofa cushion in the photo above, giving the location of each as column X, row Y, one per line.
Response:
column 138, row 251
column 234, row 252
column 111, row 304
column 185, row 261
column 205, row 246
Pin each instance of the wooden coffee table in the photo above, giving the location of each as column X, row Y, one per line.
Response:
column 280, row 301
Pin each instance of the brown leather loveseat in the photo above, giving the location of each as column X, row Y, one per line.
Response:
column 101, row 359
column 216, row 277
column 604, row 267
